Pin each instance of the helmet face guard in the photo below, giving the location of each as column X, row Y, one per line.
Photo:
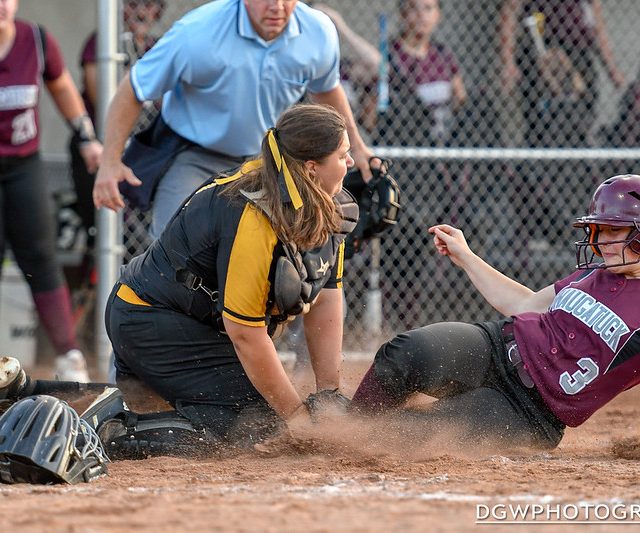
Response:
column 588, row 249
column 43, row 440
column 615, row 203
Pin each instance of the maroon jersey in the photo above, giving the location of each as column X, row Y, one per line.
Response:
column 585, row 350
column 89, row 55
column 429, row 76
column 421, row 92
column 21, row 72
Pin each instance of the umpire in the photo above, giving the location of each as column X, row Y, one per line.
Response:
column 225, row 71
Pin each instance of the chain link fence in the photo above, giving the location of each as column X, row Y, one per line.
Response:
column 469, row 75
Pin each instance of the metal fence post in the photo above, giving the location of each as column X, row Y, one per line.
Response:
column 373, row 299
column 109, row 249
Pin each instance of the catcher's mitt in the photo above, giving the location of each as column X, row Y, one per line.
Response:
column 327, row 402
column 379, row 203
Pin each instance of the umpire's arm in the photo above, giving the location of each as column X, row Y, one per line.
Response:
column 122, row 116
column 360, row 152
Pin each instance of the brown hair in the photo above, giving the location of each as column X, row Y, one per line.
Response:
column 305, row 132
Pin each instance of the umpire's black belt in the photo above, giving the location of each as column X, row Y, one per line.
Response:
column 513, row 354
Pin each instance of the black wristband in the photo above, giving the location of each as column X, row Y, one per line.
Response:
column 83, row 129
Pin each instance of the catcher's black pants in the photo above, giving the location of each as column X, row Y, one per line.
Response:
column 191, row 365
column 480, row 396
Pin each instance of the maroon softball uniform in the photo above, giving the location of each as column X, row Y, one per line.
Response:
column 421, row 91
column 585, row 349
column 89, row 55
column 21, row 72
column 438, row 66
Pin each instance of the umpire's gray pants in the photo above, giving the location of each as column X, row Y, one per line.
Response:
column 187, row 172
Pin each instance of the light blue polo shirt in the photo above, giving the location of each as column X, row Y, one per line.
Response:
column 223, row 85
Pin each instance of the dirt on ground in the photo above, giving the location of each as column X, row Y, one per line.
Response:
column 356, row 479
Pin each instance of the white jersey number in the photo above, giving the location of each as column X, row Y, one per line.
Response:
column 24, row 127
column 574, row 383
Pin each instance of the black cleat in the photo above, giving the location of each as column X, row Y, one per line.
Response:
column 109, row 405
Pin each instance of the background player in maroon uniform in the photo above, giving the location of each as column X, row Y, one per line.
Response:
column 426, row 88
column 559, row 86
column 28, row 56
column 565, row 351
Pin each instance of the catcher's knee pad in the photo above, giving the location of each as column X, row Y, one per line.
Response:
column 139, row 437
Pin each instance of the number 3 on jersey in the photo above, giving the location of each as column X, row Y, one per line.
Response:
column 574, row 383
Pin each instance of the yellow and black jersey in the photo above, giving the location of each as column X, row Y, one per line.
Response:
column 230, row 244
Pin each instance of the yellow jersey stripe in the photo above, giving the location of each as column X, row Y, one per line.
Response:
column 246, row 167
column 247, row 284
column 126, row 293
column 340, row 269
column 238, row 320
column 254, row 164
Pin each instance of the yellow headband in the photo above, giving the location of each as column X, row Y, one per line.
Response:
column 289, row 185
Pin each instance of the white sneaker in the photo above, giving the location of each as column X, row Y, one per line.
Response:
column 72, row 367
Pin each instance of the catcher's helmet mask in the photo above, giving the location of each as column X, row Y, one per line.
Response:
column 615, row 203
column 44, row 441
column 378, row 201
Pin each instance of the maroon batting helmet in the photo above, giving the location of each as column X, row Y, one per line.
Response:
column 616, row 203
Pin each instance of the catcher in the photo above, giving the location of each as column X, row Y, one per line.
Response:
column 379, row 206
column 563, row 353
column 194, row 316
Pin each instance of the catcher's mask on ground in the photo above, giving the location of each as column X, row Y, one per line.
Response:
column 44, row 441
column 615, row 203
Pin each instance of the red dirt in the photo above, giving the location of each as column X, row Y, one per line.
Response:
column 354, row 479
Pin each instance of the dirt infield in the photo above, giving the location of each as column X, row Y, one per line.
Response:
column 346, row 483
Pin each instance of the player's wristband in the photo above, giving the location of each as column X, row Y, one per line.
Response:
column 83, row 129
